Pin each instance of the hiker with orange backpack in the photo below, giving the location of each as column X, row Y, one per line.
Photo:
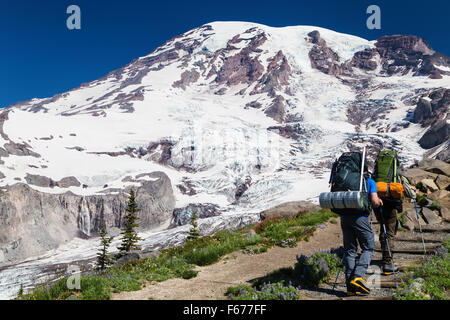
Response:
column 390, row 189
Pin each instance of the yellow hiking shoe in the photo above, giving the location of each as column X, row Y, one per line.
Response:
column 358, row 286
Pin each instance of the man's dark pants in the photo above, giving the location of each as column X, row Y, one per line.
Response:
column 356, row 229
column 388, row 217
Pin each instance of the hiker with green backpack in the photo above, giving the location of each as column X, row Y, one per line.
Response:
column 353, row 194
column 390, row 189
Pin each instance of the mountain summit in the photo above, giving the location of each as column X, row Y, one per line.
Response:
column 230, row 117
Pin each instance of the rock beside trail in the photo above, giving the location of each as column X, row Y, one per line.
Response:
column 289, row 209
column 430, row 216
column 445, row 213
column 412, row 216
column 435, row 166
column 408, row 222
column 429, row 185
column 442, row 182
column 439, row 194
column 416, row 175
column 431, row 176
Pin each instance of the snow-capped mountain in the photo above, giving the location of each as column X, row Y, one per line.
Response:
column 233, row 117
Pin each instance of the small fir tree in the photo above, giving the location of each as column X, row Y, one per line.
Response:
column 193, row 233
column 130, row 237
column 103, row 257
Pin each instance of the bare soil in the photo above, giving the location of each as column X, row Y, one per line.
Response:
column 236, row 268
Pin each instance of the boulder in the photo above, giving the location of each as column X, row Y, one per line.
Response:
column 182, row 216
column 133, row 255
column 435, row 166
column 39, row 181
column 437, row 134
column 411, row 215
column 439, row 194
column 429, row 185
column 443, row 182
column 408, row 223
column 445, row 213
column 68, row 182
column 289, row 209
column 430, row 216
column 415, row 175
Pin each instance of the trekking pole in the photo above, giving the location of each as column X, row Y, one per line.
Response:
column 339, row 270
column 387, row 243
column 385, row 234
column 420, row 226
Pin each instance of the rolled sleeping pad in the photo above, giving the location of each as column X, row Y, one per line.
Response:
column 341, row 200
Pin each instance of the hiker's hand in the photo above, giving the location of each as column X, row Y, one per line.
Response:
column 381, row 203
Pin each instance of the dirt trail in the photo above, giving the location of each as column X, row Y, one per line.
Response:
column 236, row 268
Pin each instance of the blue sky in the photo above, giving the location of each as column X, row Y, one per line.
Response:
column 40, row 57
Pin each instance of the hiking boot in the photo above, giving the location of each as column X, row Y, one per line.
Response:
column 358, row 286
column 389, row 268
column 352, row 291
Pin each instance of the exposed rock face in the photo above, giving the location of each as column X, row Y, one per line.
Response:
column 436, row 135
column 402, row 54
column 444, row 154
column 32, row 222
column 322, row 57
column 183, row 216
column 432, row 107
column 240, row 68
column 187, row 78
column 364, row 60
column 242, row 186
column 276, row 77
column 277, row 109
column 367, row 111
column 423, row 110
column 295, row 131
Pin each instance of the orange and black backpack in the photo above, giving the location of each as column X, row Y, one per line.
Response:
column 389, row 183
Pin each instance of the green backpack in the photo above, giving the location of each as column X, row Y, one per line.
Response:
column 386, row 167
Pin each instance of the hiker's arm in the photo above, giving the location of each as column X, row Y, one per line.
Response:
column 376, row 201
